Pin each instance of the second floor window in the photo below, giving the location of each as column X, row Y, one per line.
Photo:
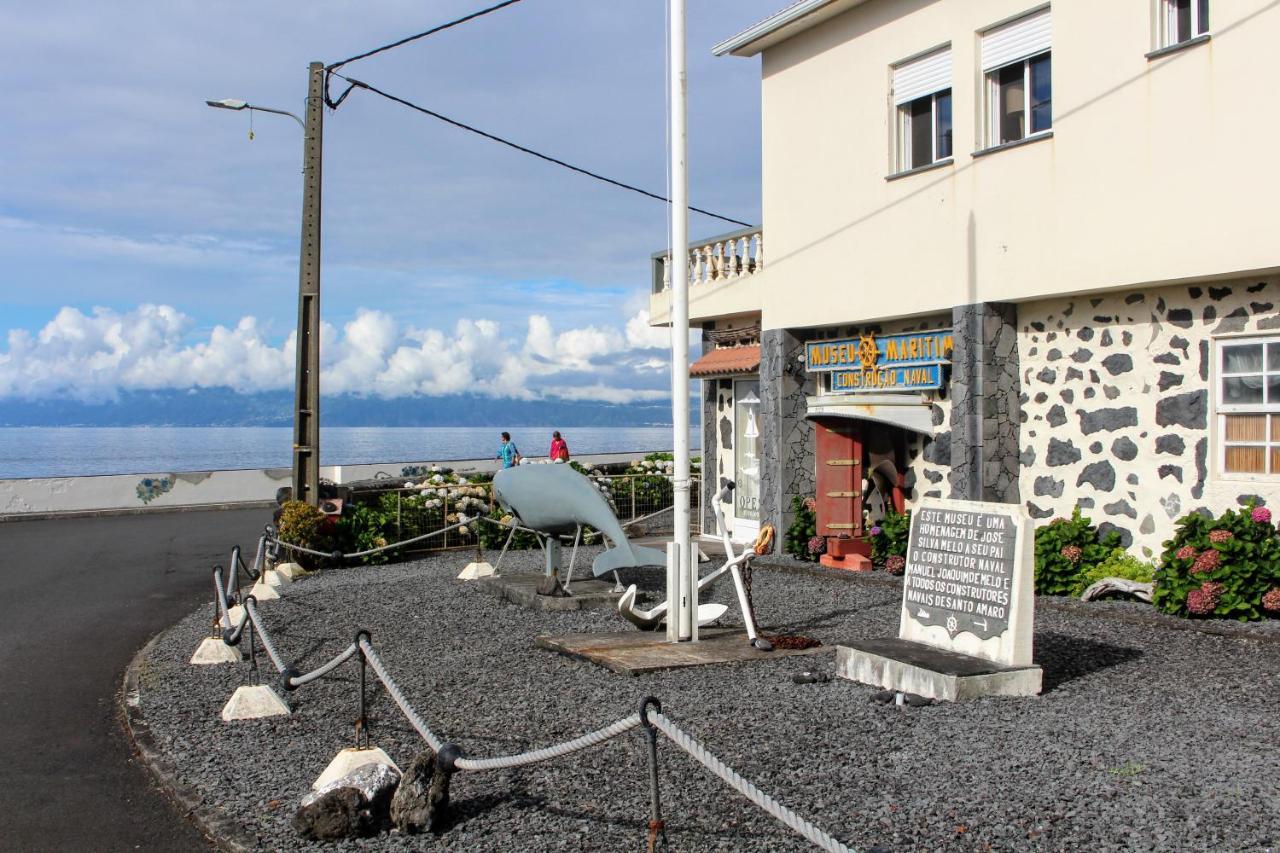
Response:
column 1183, row 20
column 922, row 101
column 1018, row 69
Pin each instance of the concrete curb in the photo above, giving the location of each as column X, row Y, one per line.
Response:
column 220, row 830
column 1063, row 604
column 106, row 513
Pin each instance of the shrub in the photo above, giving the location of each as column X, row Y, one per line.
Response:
column 1118, row 564
column 303, row 524
column 1066, row 549
column 1227, row 566
column 889, row 537
column 366, row 526
column 802, row 529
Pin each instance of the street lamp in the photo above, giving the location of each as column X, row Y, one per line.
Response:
column 306, row 396
column 233, row 104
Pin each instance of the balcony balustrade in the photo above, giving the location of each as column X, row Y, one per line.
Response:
column 719, row 260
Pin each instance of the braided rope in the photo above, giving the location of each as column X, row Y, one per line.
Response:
column 252, row 610
column 321, row 671
column 734, row 780
column 398, row 697
column 221, row 593
column 546, row 753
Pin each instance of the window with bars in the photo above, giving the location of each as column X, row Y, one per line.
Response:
column 1182, row 21
column 1248, row 405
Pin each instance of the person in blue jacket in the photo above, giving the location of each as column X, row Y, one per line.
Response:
column 508, row 453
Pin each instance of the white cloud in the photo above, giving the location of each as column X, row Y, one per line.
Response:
column 94, row 356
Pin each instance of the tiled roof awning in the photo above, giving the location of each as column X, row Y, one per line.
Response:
column 727, row 361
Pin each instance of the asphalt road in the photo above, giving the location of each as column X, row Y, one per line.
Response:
column 79, row 598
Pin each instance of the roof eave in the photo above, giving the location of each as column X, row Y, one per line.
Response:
column 791, row 21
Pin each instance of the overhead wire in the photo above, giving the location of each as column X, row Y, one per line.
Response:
column 423, row 34
column 354, row 83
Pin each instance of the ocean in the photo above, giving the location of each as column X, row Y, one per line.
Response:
column 78, row 451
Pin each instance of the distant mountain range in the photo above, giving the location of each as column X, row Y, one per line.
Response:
column 224, row 407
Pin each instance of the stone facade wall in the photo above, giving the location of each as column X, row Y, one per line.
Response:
column 786, row 436
column 1117, row 404
column 985, row 411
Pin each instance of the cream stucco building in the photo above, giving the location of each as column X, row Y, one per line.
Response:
column 1074, row 196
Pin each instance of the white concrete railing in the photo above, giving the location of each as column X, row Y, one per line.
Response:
column 192, row 489
column 725, row 258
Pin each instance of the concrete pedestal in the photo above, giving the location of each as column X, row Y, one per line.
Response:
column 251, row 702
column 290, row 571
column 274, row 578
column 262, row 591
column 474, row 571
column 212, row 650
column 350, row 759
column 233, row 617
column 909, row 667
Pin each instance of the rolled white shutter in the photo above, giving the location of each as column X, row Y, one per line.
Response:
column 1016, row 40
column 923, row 76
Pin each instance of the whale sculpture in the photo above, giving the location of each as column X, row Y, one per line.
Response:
column 558, row 501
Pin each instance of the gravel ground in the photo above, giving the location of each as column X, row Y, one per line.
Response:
column 1145, row 737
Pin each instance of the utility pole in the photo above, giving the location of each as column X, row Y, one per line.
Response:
column 306, row 398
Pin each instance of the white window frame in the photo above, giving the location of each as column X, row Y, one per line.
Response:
column 1167, row 16
column 905, row 151
column 1271, row 435
column 992, row 101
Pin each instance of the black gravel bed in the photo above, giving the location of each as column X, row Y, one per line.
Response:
column 1145, row 738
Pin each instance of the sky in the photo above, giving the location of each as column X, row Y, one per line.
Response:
column 147, row 242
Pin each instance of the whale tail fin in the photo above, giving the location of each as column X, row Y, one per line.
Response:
column 627, row 557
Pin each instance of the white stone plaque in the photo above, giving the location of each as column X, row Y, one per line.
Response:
column 969, row 580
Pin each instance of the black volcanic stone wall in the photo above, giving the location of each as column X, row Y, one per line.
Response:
column 986, row 410
column 1118, row 406
column 786, row 436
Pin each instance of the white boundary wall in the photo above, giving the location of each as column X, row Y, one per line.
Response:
column 192, row 489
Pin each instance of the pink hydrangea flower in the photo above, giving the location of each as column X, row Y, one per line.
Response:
column 1186, row 552
column 1204, row 600
column 1271, row 600
column 1219, row 536
column 817, row 545
column 1206, row 562
column 896, row 564
column 1073, row 553
column 1261, row 515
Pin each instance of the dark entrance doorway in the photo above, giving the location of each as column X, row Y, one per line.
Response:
column 860, row 477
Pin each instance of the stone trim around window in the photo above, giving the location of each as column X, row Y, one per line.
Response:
column 1182, row 45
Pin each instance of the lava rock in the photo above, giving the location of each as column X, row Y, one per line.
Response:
column 421, row 801
column 356, row 806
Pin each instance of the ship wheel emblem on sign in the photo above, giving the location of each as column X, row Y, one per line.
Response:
column 868, row 354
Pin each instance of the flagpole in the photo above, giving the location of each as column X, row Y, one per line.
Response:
column 688, row 569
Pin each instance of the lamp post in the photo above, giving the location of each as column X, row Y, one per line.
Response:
column 306, row 397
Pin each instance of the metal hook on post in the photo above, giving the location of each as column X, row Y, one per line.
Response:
column 657, row 829
column 362, row 720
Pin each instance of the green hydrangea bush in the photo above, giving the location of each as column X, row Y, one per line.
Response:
column 1227, row 567
column 1118, row 564
column 889, row 540
column 802, row 539
column 1066, row 549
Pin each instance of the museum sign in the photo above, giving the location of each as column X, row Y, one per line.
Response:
column 869, row 363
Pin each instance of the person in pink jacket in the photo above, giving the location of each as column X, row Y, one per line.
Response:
column 559, row 448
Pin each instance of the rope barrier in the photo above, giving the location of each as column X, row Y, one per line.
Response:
column 251, row 607
column 398, row 697
column 321, row 671
column 546, row 753
column 734, row 780
column 451, row 759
